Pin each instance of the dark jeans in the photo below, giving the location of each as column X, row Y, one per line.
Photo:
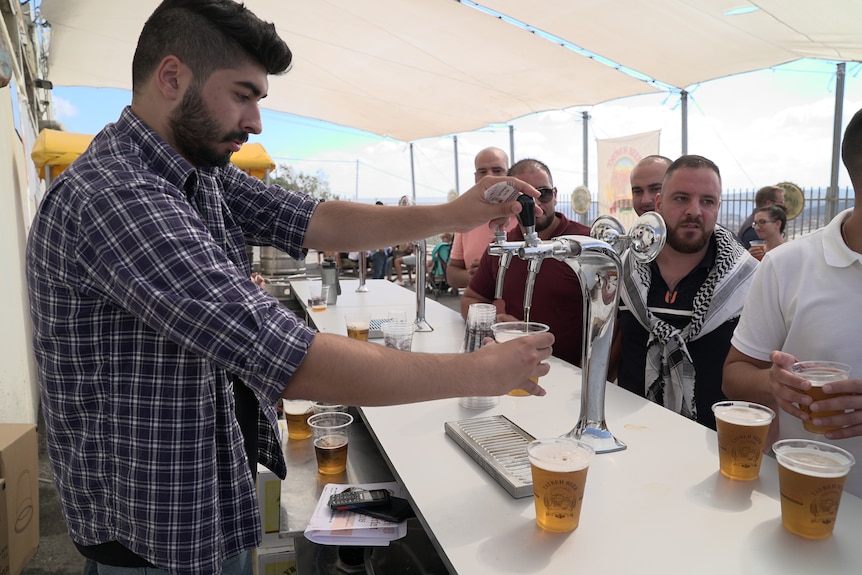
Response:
column 378, row 265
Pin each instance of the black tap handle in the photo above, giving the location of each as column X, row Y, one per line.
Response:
column 528, row 211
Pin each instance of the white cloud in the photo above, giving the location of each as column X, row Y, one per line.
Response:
column 63, row 109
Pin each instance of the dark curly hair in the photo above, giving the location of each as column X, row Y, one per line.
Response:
column 207, row 35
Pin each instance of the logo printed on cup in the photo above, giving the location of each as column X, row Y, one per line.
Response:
column 741, row 428
column 811, row 477
column 559, row 469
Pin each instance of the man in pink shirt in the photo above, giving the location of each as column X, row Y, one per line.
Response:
column 468, row 247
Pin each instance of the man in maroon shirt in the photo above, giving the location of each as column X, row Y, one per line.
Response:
column 557, row 299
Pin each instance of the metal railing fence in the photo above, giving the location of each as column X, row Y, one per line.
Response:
column 736, row 205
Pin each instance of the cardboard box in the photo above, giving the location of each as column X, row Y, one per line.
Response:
column 19, row 501
column 269, row 505
column 4, row 547
column 278, row 561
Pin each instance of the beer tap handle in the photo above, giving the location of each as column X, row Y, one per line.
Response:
column 527, row 217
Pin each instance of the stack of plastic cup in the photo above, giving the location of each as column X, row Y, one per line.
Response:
column 480, row 317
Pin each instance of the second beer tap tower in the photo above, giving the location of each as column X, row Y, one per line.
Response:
column 596, row 262
column 420, row 324
column 420, row 248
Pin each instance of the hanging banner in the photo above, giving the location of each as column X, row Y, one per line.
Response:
column 617, row 157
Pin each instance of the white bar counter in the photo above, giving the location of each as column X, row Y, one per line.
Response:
column 383, row 296
column 660, row 506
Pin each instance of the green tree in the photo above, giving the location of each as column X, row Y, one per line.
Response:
column 316, row 185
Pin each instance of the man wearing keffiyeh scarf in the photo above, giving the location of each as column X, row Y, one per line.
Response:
column 702, row 274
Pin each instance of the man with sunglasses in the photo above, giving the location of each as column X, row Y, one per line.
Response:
column 556, row 295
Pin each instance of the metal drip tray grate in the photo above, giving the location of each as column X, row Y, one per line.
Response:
column 500, row 447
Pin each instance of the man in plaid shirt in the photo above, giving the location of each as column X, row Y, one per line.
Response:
column 159, row 361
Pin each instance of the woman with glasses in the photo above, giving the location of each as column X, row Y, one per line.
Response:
column 769, row 224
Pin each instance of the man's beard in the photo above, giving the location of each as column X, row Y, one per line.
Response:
column 192, row 127
column 687, row 246
column 545, row 222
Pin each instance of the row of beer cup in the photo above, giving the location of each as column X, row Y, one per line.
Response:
column 811, row 474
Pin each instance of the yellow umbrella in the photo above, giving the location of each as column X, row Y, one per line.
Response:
column 253, row 160
column 57, row 149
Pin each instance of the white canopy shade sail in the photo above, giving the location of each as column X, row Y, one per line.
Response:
column 404, row 69
column 683, row 42
column 410, row 69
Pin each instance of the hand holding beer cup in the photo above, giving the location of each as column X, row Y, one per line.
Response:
column 757, row 249
column 818, row 374
column 742, row 428
column 509, row 330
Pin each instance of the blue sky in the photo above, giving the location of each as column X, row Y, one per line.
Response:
column 761, row 128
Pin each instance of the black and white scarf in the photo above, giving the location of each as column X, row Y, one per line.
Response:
column 669, row 376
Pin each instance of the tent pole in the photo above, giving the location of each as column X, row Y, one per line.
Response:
column 586, row 131
column 585, row 116
column 457, row 182
column 511, row 144
column 684, row 111
column 832, row 192
column 412, row 174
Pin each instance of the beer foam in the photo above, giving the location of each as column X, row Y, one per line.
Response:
column 559, row 457
column 743, row 415
column 502, row 336
column 814, row 463
column 358, row 325
column 820, row 376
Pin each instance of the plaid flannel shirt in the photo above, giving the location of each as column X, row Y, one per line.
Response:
column 141, row 305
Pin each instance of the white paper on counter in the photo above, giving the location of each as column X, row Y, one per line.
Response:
column 328, row 527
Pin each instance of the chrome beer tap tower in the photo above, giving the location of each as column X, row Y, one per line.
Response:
column 420, row 248
column 420, row 324
column 596, row 261
column 363, row 272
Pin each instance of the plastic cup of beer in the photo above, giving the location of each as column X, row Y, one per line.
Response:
column 317, row 295
column 330, row 440
column 509, row 330
column 819, row 373
column 296, row 413
column 811, row 478
column 398, row 334
column 357, row 325
column 742, row 428
column 559, row 467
